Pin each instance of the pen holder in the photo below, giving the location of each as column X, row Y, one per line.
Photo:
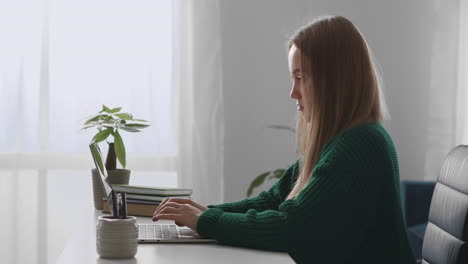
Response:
column 116, row 238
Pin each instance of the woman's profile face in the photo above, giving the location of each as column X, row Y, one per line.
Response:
column 294, row 62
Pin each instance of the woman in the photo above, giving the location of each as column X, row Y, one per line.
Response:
column 342, row 203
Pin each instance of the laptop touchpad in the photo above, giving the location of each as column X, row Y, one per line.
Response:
column 185, row 232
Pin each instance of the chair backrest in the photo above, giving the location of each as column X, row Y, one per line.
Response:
column 445, row 240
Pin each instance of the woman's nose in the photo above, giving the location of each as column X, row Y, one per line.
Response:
column 294, row 93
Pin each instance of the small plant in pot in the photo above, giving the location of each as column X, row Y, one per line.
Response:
column 109, row 122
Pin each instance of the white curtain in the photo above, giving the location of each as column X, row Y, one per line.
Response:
column 201, row 106
column 462, row 80
column 447, row 114
column 60, row 60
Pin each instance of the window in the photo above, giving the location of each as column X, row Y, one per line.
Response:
column 60, row 60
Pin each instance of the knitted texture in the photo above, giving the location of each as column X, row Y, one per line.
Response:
column 349, row 212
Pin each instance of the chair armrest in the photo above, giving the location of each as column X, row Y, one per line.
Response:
column 416, row 199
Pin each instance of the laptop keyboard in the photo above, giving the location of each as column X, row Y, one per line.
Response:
column 157, row 231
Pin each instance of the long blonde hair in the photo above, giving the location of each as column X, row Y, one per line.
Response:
column 343, row 89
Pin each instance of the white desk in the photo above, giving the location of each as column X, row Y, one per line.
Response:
column 81, row 248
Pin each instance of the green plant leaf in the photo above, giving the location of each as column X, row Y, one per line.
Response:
column 93, row 119
column 103, row 117
column 140, row 120
column 88, row 126
column 137, row 125
column 277, row 174
column 115, row 110
column 257, row 182
column 108, row 117
column 124, row 116
column 102, row 135
column 119, row 149
column 105, row 109
column 130, row 129
column 109, row 121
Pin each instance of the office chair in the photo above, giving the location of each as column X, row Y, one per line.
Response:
column 446, row 236
column 416, row 199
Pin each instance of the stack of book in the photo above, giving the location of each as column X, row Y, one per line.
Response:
column 144, row 200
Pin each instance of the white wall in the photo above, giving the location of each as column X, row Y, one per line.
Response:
column 256, row 79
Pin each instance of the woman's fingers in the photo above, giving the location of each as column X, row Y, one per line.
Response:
column 174, row 217
column 161, row 206
column 181, row 214
column 188, row 201
column 174, row 202
column 168, row 207
column 167, row 210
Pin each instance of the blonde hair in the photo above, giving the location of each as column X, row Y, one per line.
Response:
column 342, row 88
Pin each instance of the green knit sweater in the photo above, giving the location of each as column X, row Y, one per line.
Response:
column 349, row 212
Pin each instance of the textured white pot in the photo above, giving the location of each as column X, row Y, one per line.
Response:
column 116, row 238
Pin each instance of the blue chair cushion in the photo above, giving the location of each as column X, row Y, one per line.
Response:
column 416, row 199
column 416, row 237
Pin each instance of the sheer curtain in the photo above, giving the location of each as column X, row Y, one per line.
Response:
column 462, row 81
column 447, row 114
column 60, row 60
column 200, row 106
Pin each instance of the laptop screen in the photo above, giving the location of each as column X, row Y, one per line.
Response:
column 117, row 201
column 97, row 157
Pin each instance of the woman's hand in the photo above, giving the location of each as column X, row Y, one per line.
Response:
column 184, row 212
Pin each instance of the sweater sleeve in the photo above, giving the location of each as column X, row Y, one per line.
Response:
column 330, row 215
column 265, row 200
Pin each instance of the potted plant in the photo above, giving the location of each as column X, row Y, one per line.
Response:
column 109, row 122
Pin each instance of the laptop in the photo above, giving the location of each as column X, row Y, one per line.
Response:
column 147, row 233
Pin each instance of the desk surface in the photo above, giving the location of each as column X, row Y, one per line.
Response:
column 81, row 248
